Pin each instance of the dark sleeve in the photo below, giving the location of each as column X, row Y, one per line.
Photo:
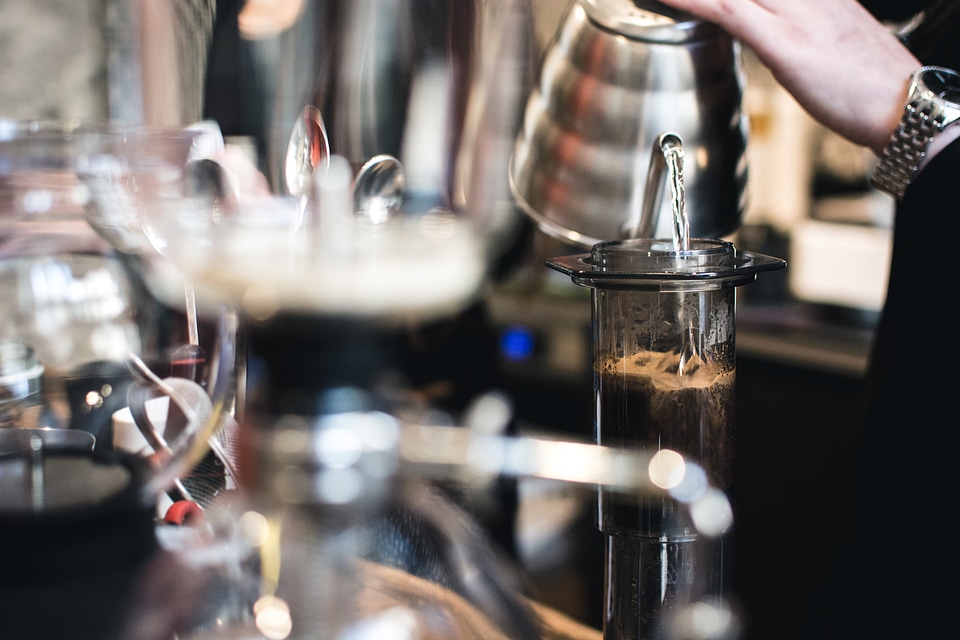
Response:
column 905, row 474
column 918, row 268
column 927, row 199
column 935, row 39
column 918, row 224
column 896, row 10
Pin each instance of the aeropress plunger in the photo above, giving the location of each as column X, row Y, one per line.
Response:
column 664, row 369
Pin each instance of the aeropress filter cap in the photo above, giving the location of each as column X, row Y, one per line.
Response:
column 652, row 264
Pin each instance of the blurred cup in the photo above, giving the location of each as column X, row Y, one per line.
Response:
column 126, row 434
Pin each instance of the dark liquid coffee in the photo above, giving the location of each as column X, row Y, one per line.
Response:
column 644, row 403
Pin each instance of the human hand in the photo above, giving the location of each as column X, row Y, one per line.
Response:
column 842, row 65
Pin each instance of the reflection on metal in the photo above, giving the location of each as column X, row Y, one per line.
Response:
column 378, row 189
column 308, row 151
column 614, row 77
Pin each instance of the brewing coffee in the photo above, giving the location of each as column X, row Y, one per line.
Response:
column 664, row 367
column 645, row 403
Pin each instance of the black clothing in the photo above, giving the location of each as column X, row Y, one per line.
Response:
column 891, row 574
column 890, row 577
column 936, row 39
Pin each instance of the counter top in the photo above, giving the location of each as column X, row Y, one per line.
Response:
column 806, row 336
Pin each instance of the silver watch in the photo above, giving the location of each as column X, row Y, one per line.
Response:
column 933, row 104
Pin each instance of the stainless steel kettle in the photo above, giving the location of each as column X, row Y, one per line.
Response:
column 617, row 75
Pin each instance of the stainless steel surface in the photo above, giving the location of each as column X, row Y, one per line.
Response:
column 308, row 151
column 21, row 376
column 647, row 20
column 17, row 440
column 665, row 160
column 378, row 188
column 614, row 79
column 437, row 85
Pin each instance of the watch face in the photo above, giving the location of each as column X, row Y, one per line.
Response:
column 944, row 83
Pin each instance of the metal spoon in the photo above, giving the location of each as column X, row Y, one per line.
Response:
column 187, row 398
column 138, row 394
column 378, row 189
column 213, row 190
column 206, row 179
column 189, row 361
column 178, row 433
column 190, row 408
column 308, row 151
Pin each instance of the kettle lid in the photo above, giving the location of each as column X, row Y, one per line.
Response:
column 648, row 20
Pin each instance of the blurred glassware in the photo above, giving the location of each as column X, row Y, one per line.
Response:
column 73, row 274
column 73, row 302
column 44, row 439
column 438, row 85
column 363, row 547
column 72, row 268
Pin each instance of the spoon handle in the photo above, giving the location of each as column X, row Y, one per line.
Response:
column 189, row 361
column 190, row 302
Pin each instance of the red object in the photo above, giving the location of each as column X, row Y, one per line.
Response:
column 184, row 513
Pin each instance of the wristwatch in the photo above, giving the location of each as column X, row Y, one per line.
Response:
column 933, row 104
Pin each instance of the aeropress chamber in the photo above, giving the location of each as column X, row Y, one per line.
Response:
column 663, row 314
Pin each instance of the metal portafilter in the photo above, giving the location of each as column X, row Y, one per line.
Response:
column 664, row 370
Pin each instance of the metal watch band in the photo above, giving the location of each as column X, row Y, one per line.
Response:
column 902, row 156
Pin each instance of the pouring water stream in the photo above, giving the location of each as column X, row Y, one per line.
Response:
column 666, row 166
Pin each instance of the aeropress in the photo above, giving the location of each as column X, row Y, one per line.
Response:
column 663, row 316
